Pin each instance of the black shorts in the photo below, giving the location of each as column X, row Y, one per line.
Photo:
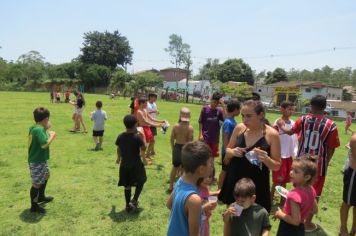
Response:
column 349, row 192
column 291, row 230
column 176, row 155
column 153, row 130
column 97, row 133
column 132, row 175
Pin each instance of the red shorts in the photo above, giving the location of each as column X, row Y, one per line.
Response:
column 214, row 147
column 281, row 176
column 318, row 185
column 148, row 134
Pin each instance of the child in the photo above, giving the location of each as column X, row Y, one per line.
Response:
column 99, row 117
column 182, row 133
column 67, row 96
column 348, row 122
column 289, row 148
column 349, row 192
column 132, row 172
column 207, row 206
column 233, row 109
column 253, row 220
column 38, row 154
column 153, row 112
column 184, row 202
column 300, row 202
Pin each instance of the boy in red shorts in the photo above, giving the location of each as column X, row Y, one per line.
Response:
column 289, row 146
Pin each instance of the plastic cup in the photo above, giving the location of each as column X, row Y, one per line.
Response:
column 212, row 199
column 238, row 208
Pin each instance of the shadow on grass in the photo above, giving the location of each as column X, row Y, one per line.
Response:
column 30, row 217
column 122, row 215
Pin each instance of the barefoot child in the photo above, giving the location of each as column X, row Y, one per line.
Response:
column 244, row 217
column 38, row 154
column 349, row 192
column 300, row 201
column 184, row 202
column 132, row 172
column 182, row 133
column 99, row 117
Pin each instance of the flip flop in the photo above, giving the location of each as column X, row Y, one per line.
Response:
column 316, row 228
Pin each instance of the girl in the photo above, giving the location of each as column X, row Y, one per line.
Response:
column 300, row 202
column 207, row 206
column 78, row 111
column 182, row 133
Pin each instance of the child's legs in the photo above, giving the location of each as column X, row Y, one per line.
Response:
column 80, row 118
column 172, row 176
column 100, row 140
column 138, row 191
column 344, row 213
column 96, row 139
column 127, row 191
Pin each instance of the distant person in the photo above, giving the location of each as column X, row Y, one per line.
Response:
column 244, row 217
column 348, row 122
column 233, row 109
column 153, row 112
column 182, row 133
column 318, row 137
column 99, row 117
column 58, row 97
column 51, row 96
column 130, row 147
column 349, row 192
column 184, row 202
column 254, row 149
column 67, row 96
column 77, row 117
column 300, row 201
column 38, row 154
column 289, row 148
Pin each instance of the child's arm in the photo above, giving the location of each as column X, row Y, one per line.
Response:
column 265, row 232
column 192, row 207
column 191, row 134
column 52, row 136
column 169, row 202
column 173, row 137
column 118, row 155
column 315, row 207
column 293, row 219
column 208, row 207
column 226, row 217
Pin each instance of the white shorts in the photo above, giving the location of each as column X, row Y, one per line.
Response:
column 79, row 111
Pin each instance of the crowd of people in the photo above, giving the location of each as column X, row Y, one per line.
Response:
column 294, row 152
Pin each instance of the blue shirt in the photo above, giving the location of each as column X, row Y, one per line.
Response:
column 228, row 128
column 178, row 221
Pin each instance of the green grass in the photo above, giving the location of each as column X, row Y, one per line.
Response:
column 84, row 183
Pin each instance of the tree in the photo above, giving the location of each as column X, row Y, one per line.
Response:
column 235, row 70
column 120, row 81
column 107, row 49
column 277, row 75
column 146, row 80
column 180, row 54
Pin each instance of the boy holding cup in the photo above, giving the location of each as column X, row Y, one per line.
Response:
column 244, row 216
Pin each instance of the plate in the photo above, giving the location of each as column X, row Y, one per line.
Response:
column 282, row 191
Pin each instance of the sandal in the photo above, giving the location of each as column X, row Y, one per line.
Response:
column 315, row 228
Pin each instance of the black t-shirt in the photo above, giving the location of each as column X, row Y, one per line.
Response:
column 80, row 102
column 129, row 144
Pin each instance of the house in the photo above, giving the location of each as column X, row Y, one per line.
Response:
column 174, row 74
column 291, row 90
column 338, row 108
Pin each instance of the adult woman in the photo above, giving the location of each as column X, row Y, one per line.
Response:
column 255, row 135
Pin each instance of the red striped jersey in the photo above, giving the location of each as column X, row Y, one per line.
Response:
column 318, row 135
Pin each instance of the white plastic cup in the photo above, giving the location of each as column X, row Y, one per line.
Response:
column 212, row 199
column 238, row 208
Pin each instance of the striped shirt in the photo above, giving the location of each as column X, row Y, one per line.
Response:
column 318, row 136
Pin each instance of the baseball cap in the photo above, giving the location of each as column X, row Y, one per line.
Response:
column 184, row 114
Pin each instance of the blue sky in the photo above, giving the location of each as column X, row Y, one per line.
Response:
column 300, row 34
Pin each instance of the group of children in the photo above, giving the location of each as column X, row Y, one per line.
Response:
column 191, row 202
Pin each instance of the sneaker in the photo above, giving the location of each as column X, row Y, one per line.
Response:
column 134, row 204
column 97, row 147
column 36, row 208
column 128, row 208
column 45, row 199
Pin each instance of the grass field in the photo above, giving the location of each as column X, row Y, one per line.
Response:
column 84, row 183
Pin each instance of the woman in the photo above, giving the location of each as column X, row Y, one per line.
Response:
column 254, row 135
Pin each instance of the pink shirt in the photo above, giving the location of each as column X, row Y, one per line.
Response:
column 304, row 197
column 348, row 120
column 204, row 195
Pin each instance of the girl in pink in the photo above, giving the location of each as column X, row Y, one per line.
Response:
column 207, row 206
column 348, row 122
column 300, row 201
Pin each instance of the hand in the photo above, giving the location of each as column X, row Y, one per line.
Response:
column 278, row 214
column 52, row 134
column 262, row 155
column 209, row 206
column 281, row 122
column 221, row 100
column 231, row 211
column 239, row 152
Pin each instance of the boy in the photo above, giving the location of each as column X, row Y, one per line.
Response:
column 349, row 192
column 153, row 112
column 253, row 220
column 210, row 119
column 233, row 109
column 99, row 117
column 38, row 155
column 145, row 121
column 184, row 202
column 318, row 137
column 289, row 146
column 132, row 172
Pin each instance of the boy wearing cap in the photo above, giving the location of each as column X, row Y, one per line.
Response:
column 182, row 133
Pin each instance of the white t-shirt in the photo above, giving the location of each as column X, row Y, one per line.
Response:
column 152, row 109
column 99, row 116
column 289, row 143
